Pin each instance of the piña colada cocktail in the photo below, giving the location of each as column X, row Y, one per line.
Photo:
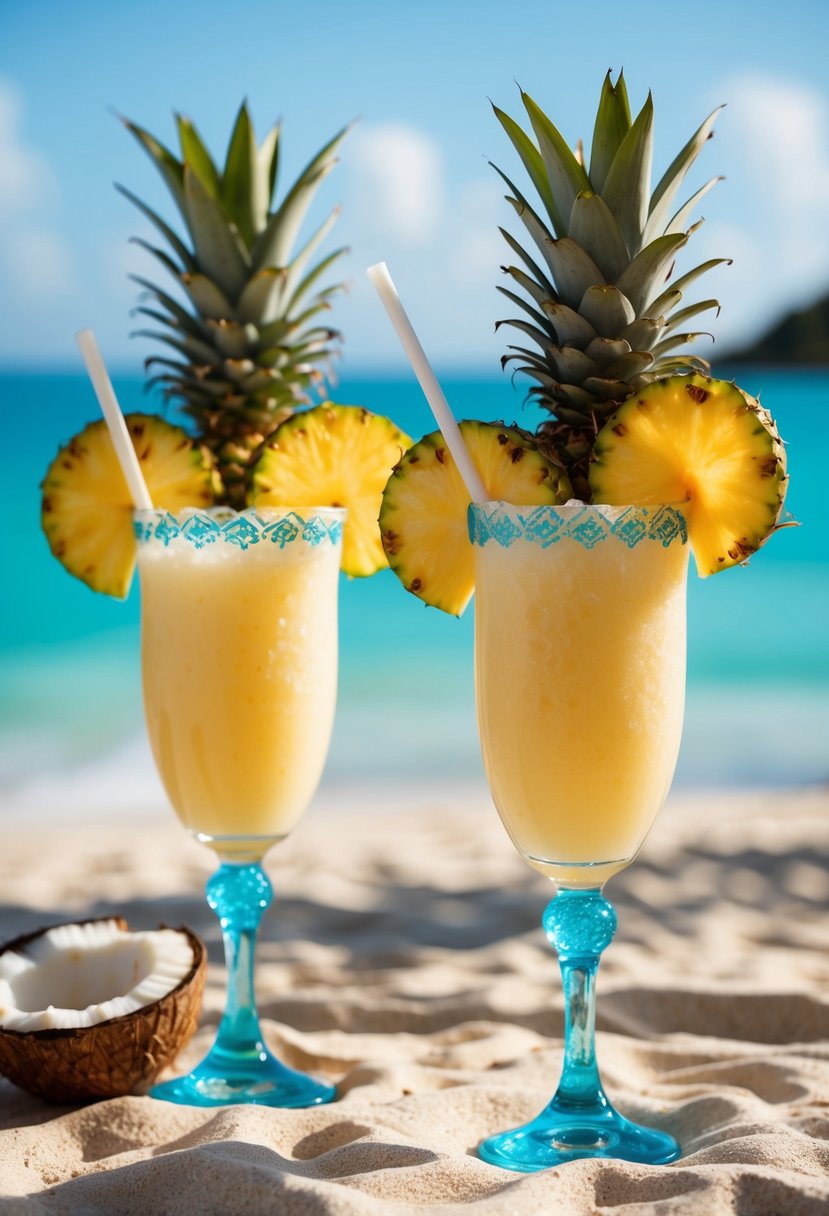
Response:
column 580, row 610
column 239, row 610
column 580, row 613
column 239, row 641
column 239, row 646
column 239, row 652
column 580, row 677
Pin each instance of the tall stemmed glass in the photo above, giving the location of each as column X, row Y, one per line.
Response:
column 580, row 676
column 239, row 652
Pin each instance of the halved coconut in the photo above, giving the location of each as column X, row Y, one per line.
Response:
column 90, row 1010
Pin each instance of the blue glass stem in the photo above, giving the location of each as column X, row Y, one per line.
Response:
column 239, row 895
column 580, row 926
column 579, row 1121
column 239, row 1068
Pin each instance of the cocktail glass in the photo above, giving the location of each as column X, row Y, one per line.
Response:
column 580, row 678
column 239, row 656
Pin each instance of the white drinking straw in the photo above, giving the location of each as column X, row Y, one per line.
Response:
column 382, row 280
column 121, row 438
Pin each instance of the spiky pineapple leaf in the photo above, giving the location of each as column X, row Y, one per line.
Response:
column 541, row 276
column 241, row 191
column 534, row 165
column 606, row 351
column 539, row 318
column 679, row 363
column 593, row 226
column 669, row 183
column 537, row 229
column 680, row 220
column 274, row 244
column 209, row 299
column 571, row 364
column 662, row 303
column 630, row 365
column 626, row 189
column 607, row 309
column 302, row 288
column 613, row 122
column 178, row 367
column 188, row 324
column 303, row 257
column 220, row 251
column 532, row 356
column 194, row 349
column 570, row 326
column 643, row 334
column 608, row 390
column 161, row 255
column 258, row 299
column 685, row 314
column 180, row 315
column 232, row 339
column 686, row 339
column 649, row 268
column 268, row 157
column 567, row 176
column 196, row 157
column 535, row 290
column 573, row 269
column 170, row 168
column 545, row 380
column 187, row 259
column 543, row 338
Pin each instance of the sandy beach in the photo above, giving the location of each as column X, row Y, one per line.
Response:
column 403, row 959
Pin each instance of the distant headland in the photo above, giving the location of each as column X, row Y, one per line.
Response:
column 802, row 337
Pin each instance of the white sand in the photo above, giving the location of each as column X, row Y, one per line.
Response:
column 403, row 959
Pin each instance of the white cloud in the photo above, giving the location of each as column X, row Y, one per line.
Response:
column 39, row 263
column 399, row 180
column 783, row 129
column 34, row 256
column 775, row 149
column 24, row 175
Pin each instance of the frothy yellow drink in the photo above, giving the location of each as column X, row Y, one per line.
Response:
column 580, row 673
column 239, row 648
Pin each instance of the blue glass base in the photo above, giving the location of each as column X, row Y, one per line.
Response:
column 558, row 1135
column 239, row 1068
column 257, row 1079
column 579, row 1121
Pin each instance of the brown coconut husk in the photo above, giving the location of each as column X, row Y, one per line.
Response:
column 122, row 1055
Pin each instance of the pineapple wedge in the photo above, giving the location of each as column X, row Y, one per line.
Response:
column 706, row 447
column 423, row 516
column 333, row 456
column 86, row 509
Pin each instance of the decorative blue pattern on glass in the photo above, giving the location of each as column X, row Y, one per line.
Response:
column 589, row 525
column 579, row 1121
column 239, row 1067
column 240, row 529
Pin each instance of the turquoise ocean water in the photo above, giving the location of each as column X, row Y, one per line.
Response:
column 71, row 729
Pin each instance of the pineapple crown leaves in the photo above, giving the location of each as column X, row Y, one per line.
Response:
column 598, row 307
column 252, row 295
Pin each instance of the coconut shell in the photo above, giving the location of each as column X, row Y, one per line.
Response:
column 122, row 1055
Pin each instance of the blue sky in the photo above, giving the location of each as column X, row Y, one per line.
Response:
column 414, row 181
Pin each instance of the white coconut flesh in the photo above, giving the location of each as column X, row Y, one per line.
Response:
column 83, row 974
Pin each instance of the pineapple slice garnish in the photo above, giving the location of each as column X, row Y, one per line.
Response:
column 706, row 447
column 423, row 520
column 333, row 456
column 86, row 509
